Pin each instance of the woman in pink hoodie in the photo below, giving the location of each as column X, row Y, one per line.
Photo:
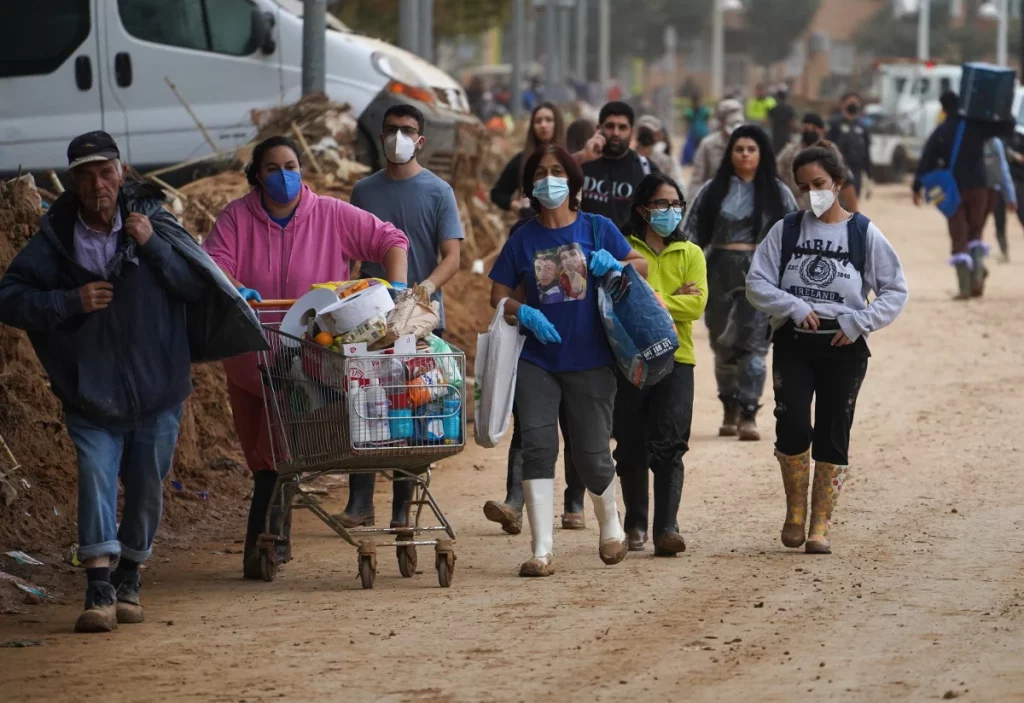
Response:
column 276, row 242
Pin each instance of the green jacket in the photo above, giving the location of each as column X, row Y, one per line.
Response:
column 680, row 263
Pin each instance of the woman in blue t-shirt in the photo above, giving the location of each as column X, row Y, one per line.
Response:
column 566, row 360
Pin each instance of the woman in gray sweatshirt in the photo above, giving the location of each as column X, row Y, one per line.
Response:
column 812, row 274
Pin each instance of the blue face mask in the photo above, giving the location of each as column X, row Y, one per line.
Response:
column 283, row 186
column 551, row 191
column 666, row 223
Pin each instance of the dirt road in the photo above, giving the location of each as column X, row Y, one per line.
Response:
column 922, row 599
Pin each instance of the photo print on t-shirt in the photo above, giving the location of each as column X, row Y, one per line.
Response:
column 561, row 274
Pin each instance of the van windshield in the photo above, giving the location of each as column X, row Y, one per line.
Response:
column 295, row 7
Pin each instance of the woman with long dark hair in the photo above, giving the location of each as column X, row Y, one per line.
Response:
column 652, row 425
column 274, row 243
column 547, row 126
column 730, row 216
column 566, row 363
column 812, row 274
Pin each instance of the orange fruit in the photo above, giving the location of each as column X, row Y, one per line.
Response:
column 324, row 339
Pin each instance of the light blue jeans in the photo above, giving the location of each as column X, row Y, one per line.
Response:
column 142, row 457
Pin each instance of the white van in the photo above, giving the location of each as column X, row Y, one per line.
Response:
column 71, row 66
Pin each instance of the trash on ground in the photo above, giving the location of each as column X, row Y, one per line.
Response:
column 23, row 558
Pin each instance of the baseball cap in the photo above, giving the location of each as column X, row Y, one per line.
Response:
column 729, row 106
column 650, row 122
column 91, row 147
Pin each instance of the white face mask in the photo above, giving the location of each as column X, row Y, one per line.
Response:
column 399, row 148
column 821, row 201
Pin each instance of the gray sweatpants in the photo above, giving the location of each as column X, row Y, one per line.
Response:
column 588, row 398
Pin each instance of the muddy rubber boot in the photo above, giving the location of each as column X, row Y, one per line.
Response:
column 668, row 491
column 100, row 614
column 635, row 496
column 262, row 491
column 612, row 545
column 359, row 511
column 796, row 477
column 748, row 431
column 575, row 490
column 828, row 482
column 964, row 279
column 979, row 273
column 730, row 419
column 540, row 508
column 509, row 513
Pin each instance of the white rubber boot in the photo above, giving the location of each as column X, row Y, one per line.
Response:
column 539, row 501
column 612, row 548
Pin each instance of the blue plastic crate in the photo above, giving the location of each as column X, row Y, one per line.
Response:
column 986, row 92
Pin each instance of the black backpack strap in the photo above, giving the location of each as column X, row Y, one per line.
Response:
column 856, row 239
column 790, row 237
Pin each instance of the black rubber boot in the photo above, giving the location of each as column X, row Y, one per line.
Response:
column 359, row 511
column 262, row 490
column 401, row 494
column 284, row 549
column 978, row 273
column 668, row 490
column 573, row 512
column 964, row 279
column 635, row 496
column 730, row 418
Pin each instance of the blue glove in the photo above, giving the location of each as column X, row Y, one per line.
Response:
column 534, row 320
column 250, row 294
column 398, row 285
column 601, row 262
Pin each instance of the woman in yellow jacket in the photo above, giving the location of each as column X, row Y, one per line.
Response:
column 652, row 425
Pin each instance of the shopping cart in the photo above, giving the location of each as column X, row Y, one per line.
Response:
column 353, row 411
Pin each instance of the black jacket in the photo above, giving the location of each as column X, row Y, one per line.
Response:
column 121, row 366
column 853, row 141
column 969, row 170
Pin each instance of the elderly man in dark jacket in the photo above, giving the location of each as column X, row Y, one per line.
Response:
column 103, row 289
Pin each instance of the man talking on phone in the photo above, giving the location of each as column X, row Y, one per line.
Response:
column 611, row 177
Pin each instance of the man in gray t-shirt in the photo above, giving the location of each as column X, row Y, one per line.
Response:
column 423, row 206
column 415, row 201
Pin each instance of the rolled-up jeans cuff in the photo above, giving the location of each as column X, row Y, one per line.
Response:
column 135, row 555
column 104, row 549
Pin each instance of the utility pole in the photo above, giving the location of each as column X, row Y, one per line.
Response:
column 1001, row 38
column 426, row 18
column 408, row 25
column 717, row 50
column 564, row 44
column 314, row 38
column 581, row 40
column 604, row 45
column 924, row 30
column 518, row 26
column 551, row 45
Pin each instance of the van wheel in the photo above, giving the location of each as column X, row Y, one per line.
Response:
column 366, row 150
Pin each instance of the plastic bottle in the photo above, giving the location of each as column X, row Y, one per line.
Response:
column 358, row 427
column 428, row 387
column 377, row 412
column 452, row 420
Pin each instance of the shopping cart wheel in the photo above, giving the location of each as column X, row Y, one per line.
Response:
column 268, row 563
column 367, row 563
column 444, row 560
column 407, row 561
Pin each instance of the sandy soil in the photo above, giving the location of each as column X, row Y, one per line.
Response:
column 922, row 599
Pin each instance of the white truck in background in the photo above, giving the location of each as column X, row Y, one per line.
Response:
column 906, row 115
column 72, row 66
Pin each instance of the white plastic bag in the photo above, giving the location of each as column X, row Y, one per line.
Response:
column 497, row 364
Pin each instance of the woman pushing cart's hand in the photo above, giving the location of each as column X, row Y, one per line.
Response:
column 275, row 243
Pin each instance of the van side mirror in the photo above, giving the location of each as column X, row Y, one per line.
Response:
column 263, row 32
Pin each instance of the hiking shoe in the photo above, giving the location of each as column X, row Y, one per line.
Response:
column 574, row 521
column 537, row 567
column 129, row 607
column 100, row 614
column 669, row 544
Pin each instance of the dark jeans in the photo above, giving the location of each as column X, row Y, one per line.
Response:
column 999, row 212
column 588, row 398
column 652, row 431
column 806, row 367
column 736, row 330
